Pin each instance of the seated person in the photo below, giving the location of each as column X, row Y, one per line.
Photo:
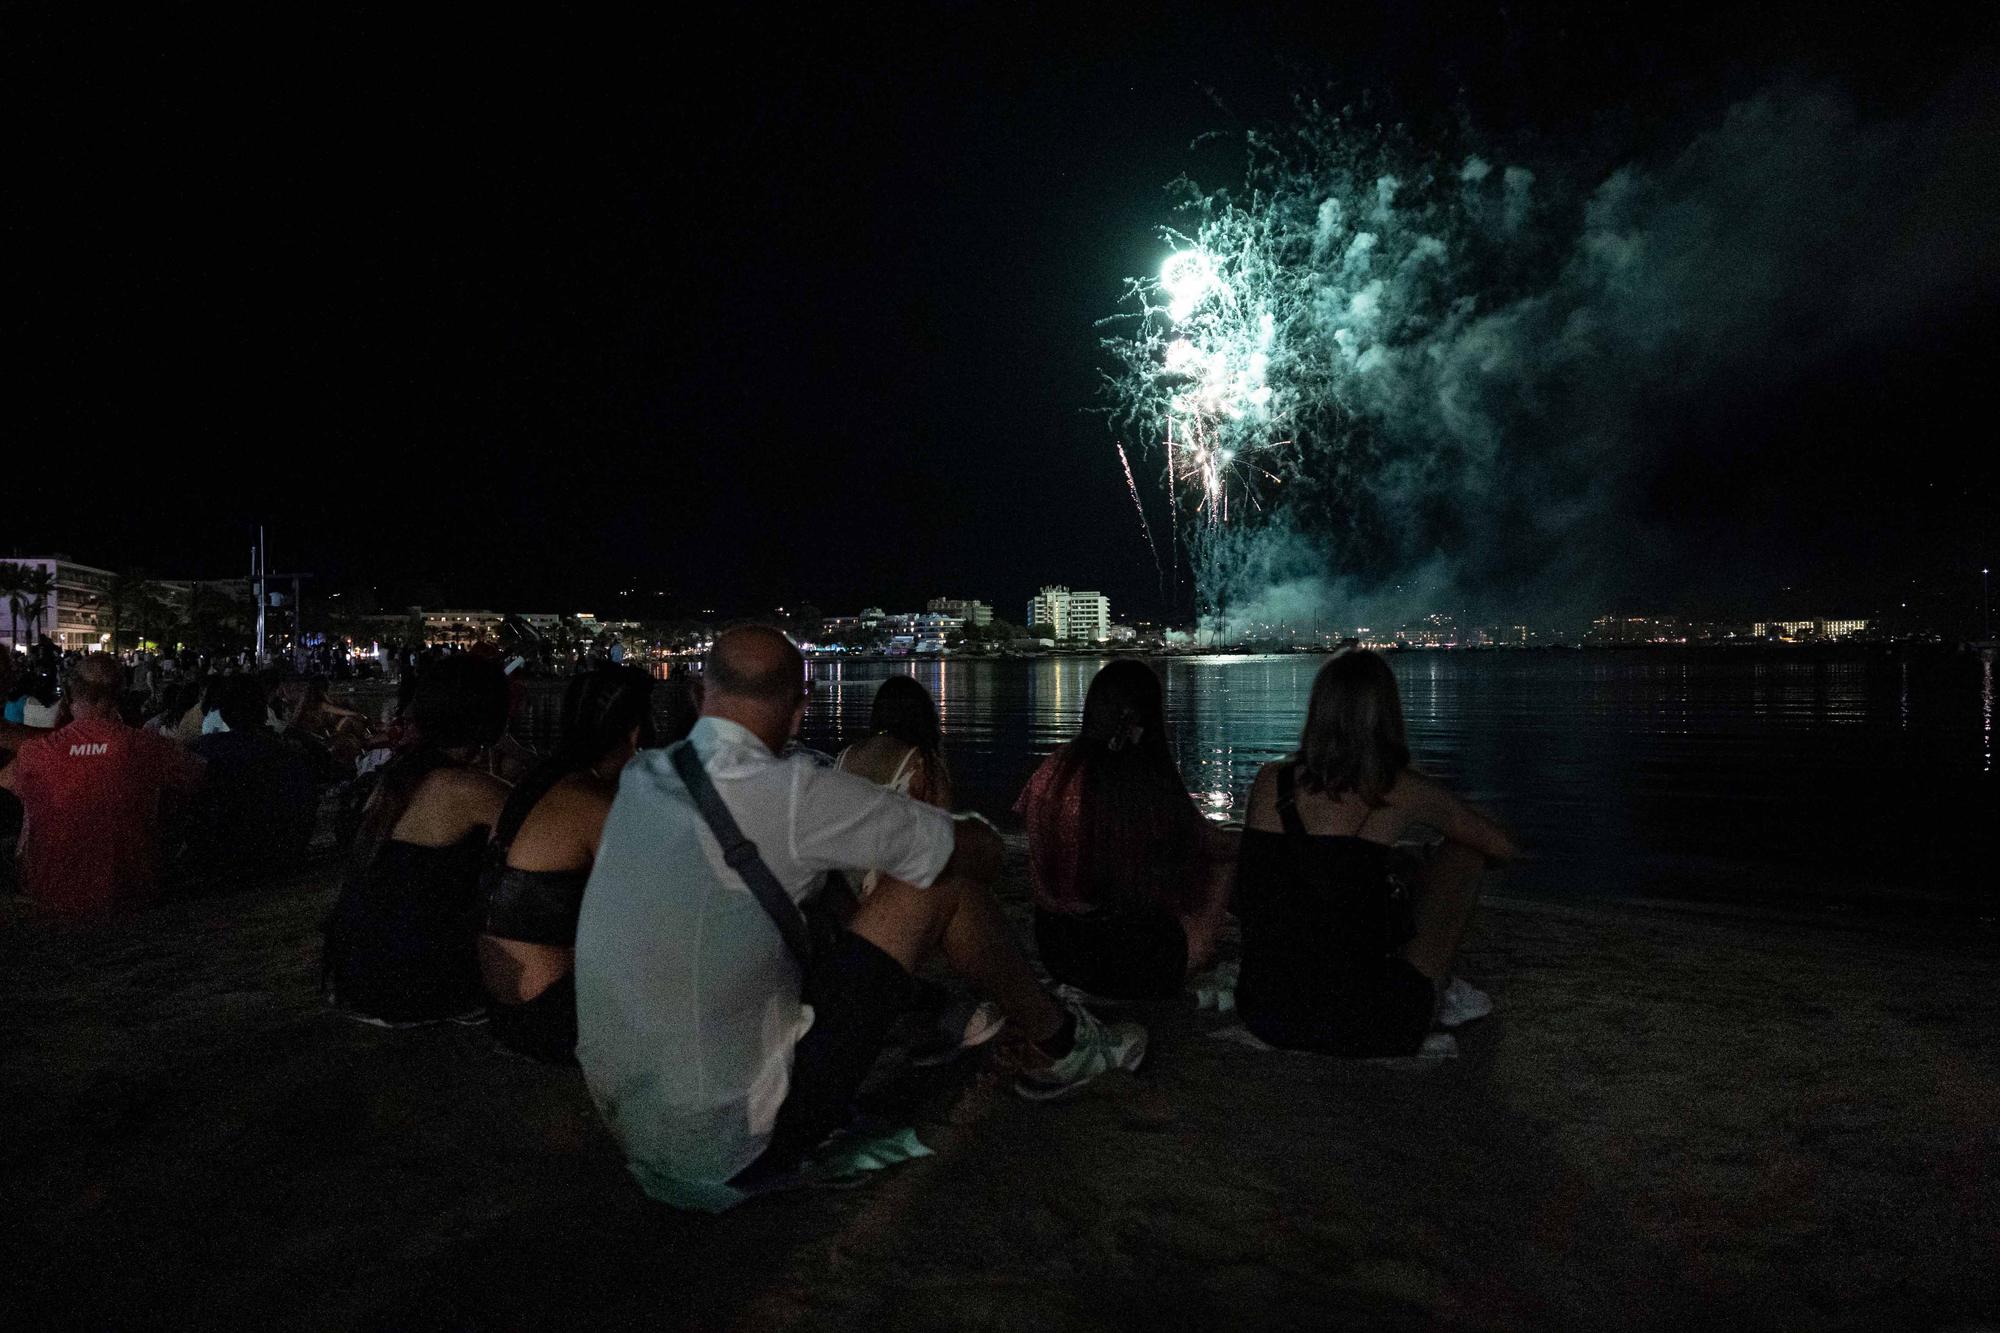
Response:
column 718, row 1059
column 1338, row 954
column 254, row 813
column 1131, row 882
column 399, row 943
column 92, row 794
column 543, row 848
column 41, row 704
column 904, row 750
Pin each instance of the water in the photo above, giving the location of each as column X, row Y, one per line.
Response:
column 1752, row 777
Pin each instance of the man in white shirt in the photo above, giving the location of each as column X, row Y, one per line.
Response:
column 714, row 1062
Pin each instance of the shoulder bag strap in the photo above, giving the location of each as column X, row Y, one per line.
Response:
column 742, row 855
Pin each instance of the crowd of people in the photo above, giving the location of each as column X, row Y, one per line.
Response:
column 721, row 927
column 126, row 779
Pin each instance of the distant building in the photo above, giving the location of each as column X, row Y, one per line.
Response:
column 74, row 617
column 974, row 613
column 1610, row 631
column 1057, row 613
column 1809, row 629
column 461, row 628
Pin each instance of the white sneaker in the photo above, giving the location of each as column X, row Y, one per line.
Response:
column 1462, row 1003
column 1099, row 1048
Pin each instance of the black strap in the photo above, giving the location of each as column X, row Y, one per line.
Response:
column 1288, row 801
column 742, row 855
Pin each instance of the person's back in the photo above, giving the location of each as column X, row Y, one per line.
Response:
column 1131, row 884
column 254, row 813
column 92, row 793
column 543, row 850
column 718, row 1058
column 400, row 940
column 1347, row 940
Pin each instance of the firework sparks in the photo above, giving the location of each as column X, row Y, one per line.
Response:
column 1132, row 485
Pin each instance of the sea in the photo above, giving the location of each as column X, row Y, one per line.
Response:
column 1831, row 781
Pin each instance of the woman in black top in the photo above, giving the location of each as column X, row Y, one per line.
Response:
column 543, row 850
column 1346, row 947
column 399, row 945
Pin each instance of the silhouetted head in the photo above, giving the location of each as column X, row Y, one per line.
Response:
column 604, row 710
column 244, row 703
column 903, row 709
column 96, row 683
column 1125, row 710
column 461, row 703
column 1354, row 739
column 755, row 677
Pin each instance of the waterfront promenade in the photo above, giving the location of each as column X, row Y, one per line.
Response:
column 1675, row 1119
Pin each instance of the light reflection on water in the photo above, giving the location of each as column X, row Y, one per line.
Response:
column 1643, row 773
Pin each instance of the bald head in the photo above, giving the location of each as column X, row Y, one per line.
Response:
column 754, row 676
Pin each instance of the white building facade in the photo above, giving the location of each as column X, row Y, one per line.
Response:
column 1058, row 613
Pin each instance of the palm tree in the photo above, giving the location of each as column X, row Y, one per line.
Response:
column 37, row 586
column 129, row 598
column 11, row 575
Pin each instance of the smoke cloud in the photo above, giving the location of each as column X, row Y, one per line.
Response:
column 1478, row 362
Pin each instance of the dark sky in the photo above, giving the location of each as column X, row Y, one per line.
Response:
column 783, row 307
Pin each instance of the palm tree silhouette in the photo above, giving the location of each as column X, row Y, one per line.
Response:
column 37, row 586
column 128, row 597
column 11, row 575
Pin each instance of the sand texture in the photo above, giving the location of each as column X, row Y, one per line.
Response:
column 1673, row 1120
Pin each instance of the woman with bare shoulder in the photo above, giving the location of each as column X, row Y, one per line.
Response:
column 399, row 944
column 1347, row 944
column 544, row 847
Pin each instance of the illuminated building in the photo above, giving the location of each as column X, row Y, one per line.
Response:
column 1063, row 614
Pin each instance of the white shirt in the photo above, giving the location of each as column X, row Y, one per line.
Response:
column 687, row 1002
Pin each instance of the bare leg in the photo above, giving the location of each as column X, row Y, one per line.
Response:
column 960, row 917
column 1216, row 885
column 1446, row 894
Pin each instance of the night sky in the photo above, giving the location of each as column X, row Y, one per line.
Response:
column 787, row 308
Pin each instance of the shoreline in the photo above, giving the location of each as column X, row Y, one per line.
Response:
column 1674, row 1118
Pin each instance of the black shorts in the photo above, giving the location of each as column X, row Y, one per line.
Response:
column 1392, row 1018
column 1121, row 953
column 856, row 992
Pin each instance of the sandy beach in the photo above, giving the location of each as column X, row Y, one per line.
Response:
column 1674, row 1119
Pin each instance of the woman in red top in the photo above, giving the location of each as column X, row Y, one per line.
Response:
column 1131, row 883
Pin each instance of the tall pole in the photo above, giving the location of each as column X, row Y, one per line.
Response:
column 298, row 639
column 263, row 599
column 1986, row 600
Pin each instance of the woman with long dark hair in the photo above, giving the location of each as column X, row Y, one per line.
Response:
column 543, row 849
column 1348, row 946
column 904, row 749
column 1131, row 882
column 399, row 945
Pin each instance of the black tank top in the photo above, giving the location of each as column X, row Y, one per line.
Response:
column 1318, row 913
column 533, row 906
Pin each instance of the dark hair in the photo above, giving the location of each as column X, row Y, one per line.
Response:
column 599, row 710
column 177, row 699
column 904, row 710
column 1137, row 829
column 460, row 701
column 96, row 677
column 243, row 703
column 41, row 687
column 1354, row 739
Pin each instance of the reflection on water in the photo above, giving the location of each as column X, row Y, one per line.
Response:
column 1644, row 773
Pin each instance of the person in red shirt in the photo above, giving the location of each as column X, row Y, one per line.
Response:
column 92, row 792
